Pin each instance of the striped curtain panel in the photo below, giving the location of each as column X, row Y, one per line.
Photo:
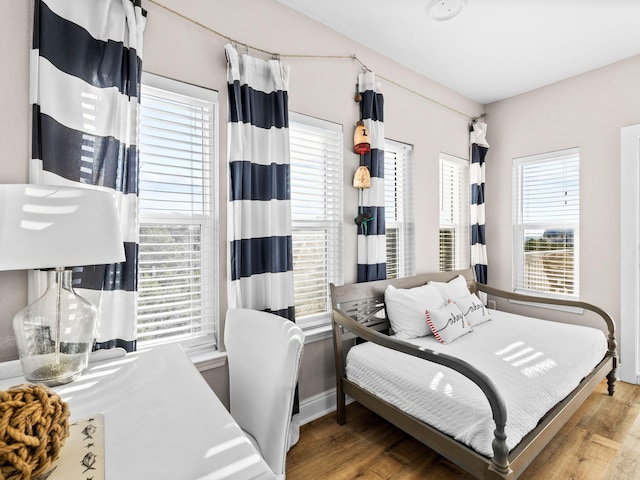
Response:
column 479, row 148
column 85, row 84
column 372, row 242
column 259, row 214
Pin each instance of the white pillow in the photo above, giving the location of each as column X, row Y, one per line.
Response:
column 406, row 308
column 454, row 288
column 447, row 323
column 473, row 309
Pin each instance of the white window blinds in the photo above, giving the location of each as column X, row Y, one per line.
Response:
column 316, row 215
column 546, row 199
column 454, row 213
column 177, row 299
column 398, row 201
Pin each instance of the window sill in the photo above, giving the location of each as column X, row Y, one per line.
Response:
column 207, row 359
column 210, row 358
column 317, row 334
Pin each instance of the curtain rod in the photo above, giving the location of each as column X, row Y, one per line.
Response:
column 277, row 56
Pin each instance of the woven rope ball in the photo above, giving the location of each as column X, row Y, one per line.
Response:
column 34, row 424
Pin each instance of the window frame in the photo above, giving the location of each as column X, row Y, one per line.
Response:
column 333, row 261
column 462, row 228
column 520, row 226
column 400, row 215
column 195, row 342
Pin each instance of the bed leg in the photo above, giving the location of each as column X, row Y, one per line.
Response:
column 493, row 474
column 499, row 467
column 611, row 382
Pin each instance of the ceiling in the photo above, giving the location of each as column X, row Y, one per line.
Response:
column 493, row 49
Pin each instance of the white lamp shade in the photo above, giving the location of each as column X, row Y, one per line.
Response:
column 45, row 226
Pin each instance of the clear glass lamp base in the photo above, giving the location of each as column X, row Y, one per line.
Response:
column 55, row 334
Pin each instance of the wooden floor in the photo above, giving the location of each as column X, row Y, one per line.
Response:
column 601, row 441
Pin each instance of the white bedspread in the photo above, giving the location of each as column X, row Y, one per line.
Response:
column 533, row 363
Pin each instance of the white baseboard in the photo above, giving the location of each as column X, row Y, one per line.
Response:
column 318, row 406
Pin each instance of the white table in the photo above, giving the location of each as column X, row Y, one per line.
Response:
column 162, row 421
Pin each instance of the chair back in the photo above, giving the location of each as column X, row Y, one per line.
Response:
column 264, row 352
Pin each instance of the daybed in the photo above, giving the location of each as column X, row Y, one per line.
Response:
column 485, row 427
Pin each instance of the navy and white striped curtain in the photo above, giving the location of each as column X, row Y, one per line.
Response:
column 85, row 84
column 259, row 214
column 479, row 148
column 372, row 241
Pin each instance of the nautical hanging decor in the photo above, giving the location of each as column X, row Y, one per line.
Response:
column 361, row 139
column 364, row 217
column 361, row 145
column 362, row 177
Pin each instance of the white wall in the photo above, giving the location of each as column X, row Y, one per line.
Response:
column 586, row 111
column 324, row 88
column 15, row 143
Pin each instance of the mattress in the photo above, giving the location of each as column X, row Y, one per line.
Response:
column 533, row 363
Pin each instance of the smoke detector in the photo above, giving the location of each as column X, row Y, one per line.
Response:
column 445, row 9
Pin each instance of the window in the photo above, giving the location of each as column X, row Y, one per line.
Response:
column 398, row 201
column 454, row 213
column 316, row 215
column 546, row 199
column 177, row 263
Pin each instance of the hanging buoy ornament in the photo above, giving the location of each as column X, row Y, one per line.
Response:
column 362, row 177
column 358, row 96
column 361, row 139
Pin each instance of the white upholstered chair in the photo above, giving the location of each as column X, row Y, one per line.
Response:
column 264, row 352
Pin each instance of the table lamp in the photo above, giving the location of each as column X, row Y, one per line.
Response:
column 54, row 228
